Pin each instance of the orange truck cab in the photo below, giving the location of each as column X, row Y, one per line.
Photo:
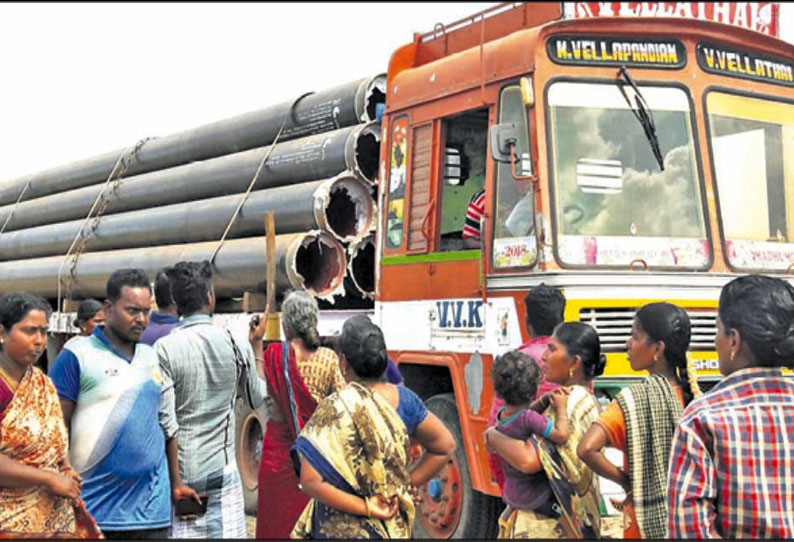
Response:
column 624, row 160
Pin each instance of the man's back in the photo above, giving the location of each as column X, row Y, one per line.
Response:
column 160, row 325
column 201, row 377
column 731, row 465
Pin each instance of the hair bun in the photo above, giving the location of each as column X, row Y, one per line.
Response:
column 598, row 370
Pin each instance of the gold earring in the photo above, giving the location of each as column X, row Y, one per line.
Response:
column 733, row 353
column 656, row 357
column 570, row 372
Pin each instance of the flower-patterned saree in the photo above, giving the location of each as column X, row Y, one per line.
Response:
column 32, row 433
column 357, row 442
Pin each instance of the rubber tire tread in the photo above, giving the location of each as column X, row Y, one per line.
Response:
column 241, row 412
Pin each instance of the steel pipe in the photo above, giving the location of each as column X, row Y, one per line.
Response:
column 341, row 206
column 313, row 261
column 354, row 149
column 341, row 106
column 359, row 284
column 361, row 267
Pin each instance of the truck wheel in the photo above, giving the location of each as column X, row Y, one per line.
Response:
column 249, row 428
column 450, row 508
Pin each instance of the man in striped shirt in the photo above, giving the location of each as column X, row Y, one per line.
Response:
column 472, row 227
column 731, row 469
column 204, row 369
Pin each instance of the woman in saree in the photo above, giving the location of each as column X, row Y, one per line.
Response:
column 39, row 490
column 642, row 418
column 354, row 451
column 299, row 373
column 573, row 359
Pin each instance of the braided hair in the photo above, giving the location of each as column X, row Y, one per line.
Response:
column 670, row 324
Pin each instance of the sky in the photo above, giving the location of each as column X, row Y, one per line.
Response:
column 82, row 79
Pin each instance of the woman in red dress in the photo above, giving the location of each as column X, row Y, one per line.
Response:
column 296, row 382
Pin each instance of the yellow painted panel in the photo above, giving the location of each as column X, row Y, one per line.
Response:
column 788, row 178
column 617, row 363
column 743, row 107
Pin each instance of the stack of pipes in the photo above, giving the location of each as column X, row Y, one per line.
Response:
column 317, row 159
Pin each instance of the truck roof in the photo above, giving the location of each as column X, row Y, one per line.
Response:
column 500, row 43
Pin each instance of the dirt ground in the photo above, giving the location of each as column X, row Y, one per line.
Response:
column 611, row 527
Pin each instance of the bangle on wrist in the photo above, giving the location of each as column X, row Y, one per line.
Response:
column 366, row 505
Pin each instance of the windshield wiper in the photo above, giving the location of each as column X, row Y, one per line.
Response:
column 644, row 116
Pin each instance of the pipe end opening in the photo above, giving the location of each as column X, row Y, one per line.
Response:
column 368, row 152
column 320, row 265
column 362, row 267
column 376, row 94
column 349, row 212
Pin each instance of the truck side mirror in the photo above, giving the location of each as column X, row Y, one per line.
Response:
column 503, row 136
column 504, row 140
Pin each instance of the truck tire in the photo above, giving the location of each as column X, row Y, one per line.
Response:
column 450, row 508
column 249, row 431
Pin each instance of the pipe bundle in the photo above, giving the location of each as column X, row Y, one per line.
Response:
column 179, row 193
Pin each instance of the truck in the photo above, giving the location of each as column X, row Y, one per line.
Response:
column 624, row 159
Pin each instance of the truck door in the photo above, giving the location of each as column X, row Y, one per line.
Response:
column 436, row 168
column 514, row 243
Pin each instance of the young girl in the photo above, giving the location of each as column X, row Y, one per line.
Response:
column 642, row 418
column 515, row 378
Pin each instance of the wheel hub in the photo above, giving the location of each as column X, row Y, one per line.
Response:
column 442, row 500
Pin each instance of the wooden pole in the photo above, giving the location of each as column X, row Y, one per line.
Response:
column 273, row 329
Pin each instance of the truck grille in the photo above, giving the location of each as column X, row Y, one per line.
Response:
column 614, row 327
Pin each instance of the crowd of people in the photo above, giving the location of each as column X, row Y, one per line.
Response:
column 131, row 435
column 695, row 465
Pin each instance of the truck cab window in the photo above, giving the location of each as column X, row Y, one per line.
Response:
column 514, row 232
column 463, row 180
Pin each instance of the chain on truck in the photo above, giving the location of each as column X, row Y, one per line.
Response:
column 624, row 159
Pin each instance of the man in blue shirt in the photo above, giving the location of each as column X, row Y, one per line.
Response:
column 109, row 385
column 165, row 318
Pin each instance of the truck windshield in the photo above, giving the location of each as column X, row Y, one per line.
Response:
column 752, row 144
column 613, row 204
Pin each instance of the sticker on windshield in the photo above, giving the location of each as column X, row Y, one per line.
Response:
column 760, row 254
column 514, row 252
column 630, row 52
column 745, row 65
column 624, row 251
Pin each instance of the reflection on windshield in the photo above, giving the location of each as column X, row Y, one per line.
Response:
column 753, row 144
column 613, row 204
